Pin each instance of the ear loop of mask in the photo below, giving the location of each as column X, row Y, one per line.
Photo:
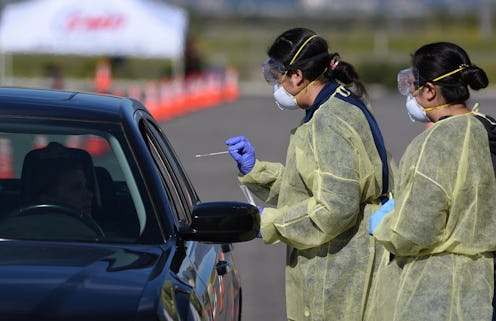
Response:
column 310, row 83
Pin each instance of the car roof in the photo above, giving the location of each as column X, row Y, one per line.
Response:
column 28, row 102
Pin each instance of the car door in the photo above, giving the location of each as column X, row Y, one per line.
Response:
column 216, row 280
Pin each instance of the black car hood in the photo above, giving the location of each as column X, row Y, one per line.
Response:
column 49, row 281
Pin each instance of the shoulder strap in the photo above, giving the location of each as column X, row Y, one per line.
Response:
column 347, row 96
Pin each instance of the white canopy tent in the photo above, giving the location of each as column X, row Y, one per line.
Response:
column 131, row 28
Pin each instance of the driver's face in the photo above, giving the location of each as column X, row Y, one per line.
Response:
column 72, row 190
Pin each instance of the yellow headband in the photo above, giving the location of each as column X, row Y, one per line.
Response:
column 448, row 74
column 301, row 47
column 439, row 78
column 296, row 55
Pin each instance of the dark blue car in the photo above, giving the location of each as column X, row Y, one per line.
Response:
column 99, row 221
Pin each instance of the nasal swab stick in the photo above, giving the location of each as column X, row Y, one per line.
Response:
column 211, row 154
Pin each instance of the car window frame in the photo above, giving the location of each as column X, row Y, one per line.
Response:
column 172, row 174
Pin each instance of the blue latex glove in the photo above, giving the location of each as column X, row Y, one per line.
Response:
column 260, row 210
column 378, row 215
column 242, row 152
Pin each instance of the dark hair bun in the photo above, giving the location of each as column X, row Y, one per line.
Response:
column 474, row 77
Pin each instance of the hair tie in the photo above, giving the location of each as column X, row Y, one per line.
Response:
column 334, row 62
column 464, row 66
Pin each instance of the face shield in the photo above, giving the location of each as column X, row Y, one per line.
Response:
column 407, row 81
column 272, row 71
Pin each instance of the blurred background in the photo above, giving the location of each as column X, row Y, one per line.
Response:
column 375, row 35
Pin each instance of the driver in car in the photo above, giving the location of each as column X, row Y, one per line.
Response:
column 66, row 184
column 58, row 177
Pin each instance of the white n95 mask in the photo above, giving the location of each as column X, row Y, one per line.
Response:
column 415, row 111
column 284, row 100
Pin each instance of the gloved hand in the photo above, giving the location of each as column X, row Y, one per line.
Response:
column 378, row 215
column 242, row 152
column 260, row 210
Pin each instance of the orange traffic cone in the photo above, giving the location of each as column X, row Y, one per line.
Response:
column 134, row 91
column 119, row 92
column 151, row 97
column 179, row 99
column 96, row 145
column 103, row 76
column 214, row 89
column 6, row 158
column 73, row 141
column 193, row 92
column 40, row 141
column 165, row 104
column 231, row 84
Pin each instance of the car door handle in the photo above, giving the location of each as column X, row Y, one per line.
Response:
column 222, row 267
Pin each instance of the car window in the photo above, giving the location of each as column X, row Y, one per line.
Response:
column 179, row 189
column 67, row 183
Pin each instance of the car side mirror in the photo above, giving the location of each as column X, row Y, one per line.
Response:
column 223, row 222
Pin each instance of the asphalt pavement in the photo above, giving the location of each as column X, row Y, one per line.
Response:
column 255, row 116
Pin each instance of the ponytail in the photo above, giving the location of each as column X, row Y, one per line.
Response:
column 345, row 73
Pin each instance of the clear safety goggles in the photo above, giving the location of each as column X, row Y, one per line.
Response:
column 273, row 71
column 407, row 81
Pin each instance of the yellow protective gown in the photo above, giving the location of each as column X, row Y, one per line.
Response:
column 325, row 194
column 442, row 231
